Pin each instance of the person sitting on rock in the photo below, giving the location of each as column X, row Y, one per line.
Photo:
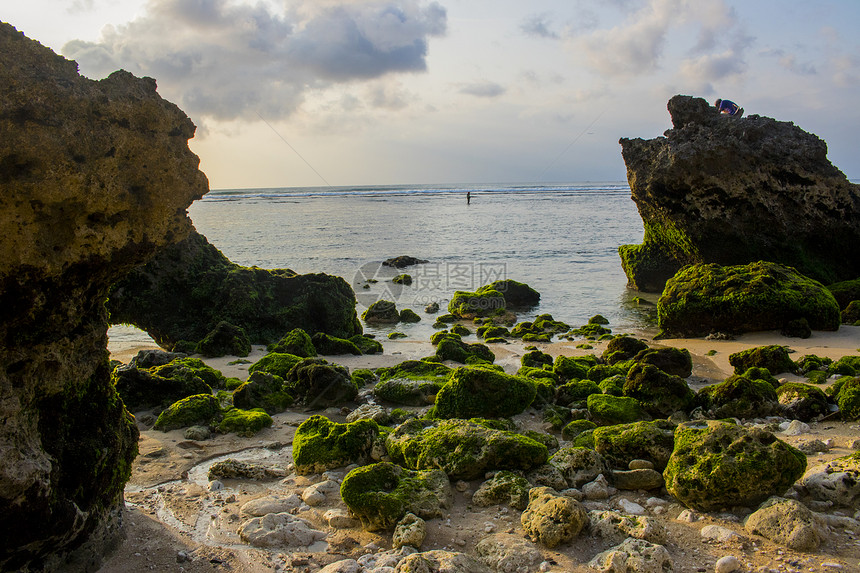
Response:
column 729, row 107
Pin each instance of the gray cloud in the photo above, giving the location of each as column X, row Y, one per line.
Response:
column 482, row 88
column 539, row 25
column 225, row 60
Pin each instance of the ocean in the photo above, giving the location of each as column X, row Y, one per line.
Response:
column 560, row 239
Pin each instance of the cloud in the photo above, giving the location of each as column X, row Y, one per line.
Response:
column 539, row 26
column 637, row 46
column 482, row 88
column 227, row 60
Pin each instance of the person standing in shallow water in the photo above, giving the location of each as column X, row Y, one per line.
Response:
column 468, row 197
column 728, row 107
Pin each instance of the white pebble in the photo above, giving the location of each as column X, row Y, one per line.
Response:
column 215, row 485
column 727, row 564
column 631, row 507
column 688, row 516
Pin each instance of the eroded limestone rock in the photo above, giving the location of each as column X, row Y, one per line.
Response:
column 728, row 190
column 96, row 178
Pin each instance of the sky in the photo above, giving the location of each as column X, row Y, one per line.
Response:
column 291, row 93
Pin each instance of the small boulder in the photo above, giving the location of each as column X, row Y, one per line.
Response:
column 622, row 443
column 279, row 530
column 317, row 384
column 617, row 527
column 381, row 494
column 607, row 410
column 263, row 390
column 463, row 449
column 507, row 553
column 739, row 397
column 718, row 464
column 381, row 312
column 659, row 393
column 837, row 481
column 633, row 556
column 774, row 357
column 296, row 342
column 191, row 411
column 551, row 519
column 787, row 522
column 504, row 487
column 409, row 531
column 802, row 401
column 321, row 444
column 579, row 466
column 483, row 393
column 237, row 469
column 328, row 345
column 441, row 561
column 225, row 339
column 671, row 360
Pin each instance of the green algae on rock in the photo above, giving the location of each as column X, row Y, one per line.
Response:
column 504, row 487
column 463, row 449
column 265, row 391
column 188, row 289
column 733, row 192
column 276, row 363
column 225, row 339
column 317, row 384
column 197, row 410
column 774, row 357
column 802, row 401
column 244, row 423
column 608, row 410
column 450, row 346
column 326, row 345
column 717, row 464
column 705, row 298
column 379, row 495
column 296, row 342
column 321, row 444
column 162, row 385
column 381, row 312
column 738, row 397
column 622, row 443
column 659, row 393
column 481, row 392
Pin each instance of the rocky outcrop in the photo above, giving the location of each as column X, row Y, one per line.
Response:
column 186, row 291
column 727, row 190
column 96, row 177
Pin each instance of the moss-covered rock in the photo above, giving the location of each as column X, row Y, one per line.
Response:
column 536, row 359
column 449, row 346
column 845, row 291
column 607, row 410
column 409, row 391
column 265, row 391
column 718, row 464
column 775, row 358
column 409, row 315
column 197, row 410
column 551, row 519
column 504, row 487
column 660, row 394
column 402, row 279
column 623, row 348
column 317, row 384
column 674, row 361
column 579, row 465
column 244, row 423
column 759, row 373
column 483, row 302
column 739, row 397
column 381, row 312
column 366, row 344
column 517, row 295
column 481, row 392
column 802, row 401
column 225, row 339
column 851, row 313
column 379, row 495
column 321, row 444
column 331, row 345
column 192, row 286
column 622, row 443
column 707, row 298
column 463, row 449
column 575, row 428
column 361, row 377
column 142, row 388
column 848, row 399
column 573, row 367
column 846, row 366
column 491, row 331
column 276, row 363
column 575, row 391
column 296, row 342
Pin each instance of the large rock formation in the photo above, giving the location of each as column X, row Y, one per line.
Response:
column 96, row 177
column 189, row 288
column 728, row 190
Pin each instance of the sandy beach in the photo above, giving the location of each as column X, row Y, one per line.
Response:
column 175, row 521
